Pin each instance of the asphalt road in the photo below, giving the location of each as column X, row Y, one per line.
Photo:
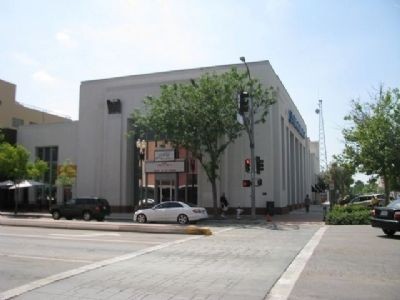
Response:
column 352, row 262
column 248, row 261
column 29, row 253
column 236, row 262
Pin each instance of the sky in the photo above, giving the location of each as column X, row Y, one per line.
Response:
column 335, row 50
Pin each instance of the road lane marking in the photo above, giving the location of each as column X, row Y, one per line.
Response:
column 57, row 277
column 77, row 238
column 85, row 235
column 46, row 258
column 284, row 286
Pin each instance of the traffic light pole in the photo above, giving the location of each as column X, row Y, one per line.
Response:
column 252, row 146
column 253, row 159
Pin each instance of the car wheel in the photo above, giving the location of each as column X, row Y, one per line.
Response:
column 56, row 215
column 87, row 215
column 389, row 232
column 141, row 218
column 183, row 219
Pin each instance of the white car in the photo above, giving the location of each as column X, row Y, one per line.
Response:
column 171, row 211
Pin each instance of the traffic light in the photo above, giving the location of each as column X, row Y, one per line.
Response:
column 246, row 183
column 247, row 163
column 259, row 164
column 243, row 102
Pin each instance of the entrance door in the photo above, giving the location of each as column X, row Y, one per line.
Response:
column 166, row 186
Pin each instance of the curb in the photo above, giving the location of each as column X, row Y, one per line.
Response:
column 144, row 228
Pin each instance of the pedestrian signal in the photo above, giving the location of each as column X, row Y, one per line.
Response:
column 247, row 165
column 246, row 183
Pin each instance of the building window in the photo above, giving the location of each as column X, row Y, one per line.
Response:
column 114, row 106
column 16, row 122
column 48, row 193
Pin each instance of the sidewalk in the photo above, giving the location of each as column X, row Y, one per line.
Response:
column 37, row 215
column 295, row 216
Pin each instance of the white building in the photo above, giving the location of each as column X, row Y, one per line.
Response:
column 107, row 160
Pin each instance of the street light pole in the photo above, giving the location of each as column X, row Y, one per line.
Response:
column 252, row 146
column 141, row 146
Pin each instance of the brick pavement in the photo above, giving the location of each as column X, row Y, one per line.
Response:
column 236, row 263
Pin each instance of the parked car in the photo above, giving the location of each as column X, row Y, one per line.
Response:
column 171, row 211
column 387, row 218
column 345, row 200
column 145, row 203
column 85, row 208
column 370, row 200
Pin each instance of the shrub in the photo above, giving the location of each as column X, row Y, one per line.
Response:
column 349, row 215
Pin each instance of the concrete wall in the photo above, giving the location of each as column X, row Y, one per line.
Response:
column 105, row 153
column 7, row 100
column 10, row 109
column 62, row 135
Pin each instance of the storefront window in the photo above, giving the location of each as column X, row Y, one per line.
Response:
column 161, row 186
column 47, row 194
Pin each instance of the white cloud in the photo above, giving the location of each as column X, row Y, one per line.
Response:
column 43, row 77
column 65, row 39
column 25, row 59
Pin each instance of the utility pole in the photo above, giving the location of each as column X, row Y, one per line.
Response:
column 252, row 146
column 322, row 145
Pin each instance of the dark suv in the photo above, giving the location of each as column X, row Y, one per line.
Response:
column 85, row 208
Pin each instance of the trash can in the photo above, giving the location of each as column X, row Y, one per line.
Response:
column 270, row 208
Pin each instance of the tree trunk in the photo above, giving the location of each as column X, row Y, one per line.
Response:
column 16, row 196
column 214, row 195
column 387, row 188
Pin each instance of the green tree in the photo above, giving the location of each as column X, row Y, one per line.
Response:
column 360, row 187
column 66, row 176
column 15, row 165
column 201, row 116
column 373, row 140
column 340, row 173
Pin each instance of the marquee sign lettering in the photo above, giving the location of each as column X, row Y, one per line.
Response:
column 296, row 124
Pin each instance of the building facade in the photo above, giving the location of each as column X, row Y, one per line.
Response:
column 109, row 162
column 14, row 114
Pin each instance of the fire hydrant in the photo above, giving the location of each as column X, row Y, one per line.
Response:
column 239, row 211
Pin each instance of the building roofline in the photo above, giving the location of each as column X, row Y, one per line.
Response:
column 145, row 75
column 8, row 82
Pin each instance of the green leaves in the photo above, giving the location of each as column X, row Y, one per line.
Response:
column 349, row 215
column 15, row 165
column 66, row 174
column 201, row 115
column 373, row 142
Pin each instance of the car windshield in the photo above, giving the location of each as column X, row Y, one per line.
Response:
column 103, row 201
column 394, row 204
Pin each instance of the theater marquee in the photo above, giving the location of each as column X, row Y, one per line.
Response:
column 176, row 166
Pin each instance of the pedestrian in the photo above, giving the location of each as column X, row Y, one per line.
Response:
column 239, row 211
column 224, row 205
column 307, row 203
column 374, row 201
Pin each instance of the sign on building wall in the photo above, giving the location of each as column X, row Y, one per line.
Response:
column 164, row 154
column 296, row 124
column 165, row 166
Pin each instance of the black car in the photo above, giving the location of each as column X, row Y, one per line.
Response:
column 387, row 218
column 85, row 208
